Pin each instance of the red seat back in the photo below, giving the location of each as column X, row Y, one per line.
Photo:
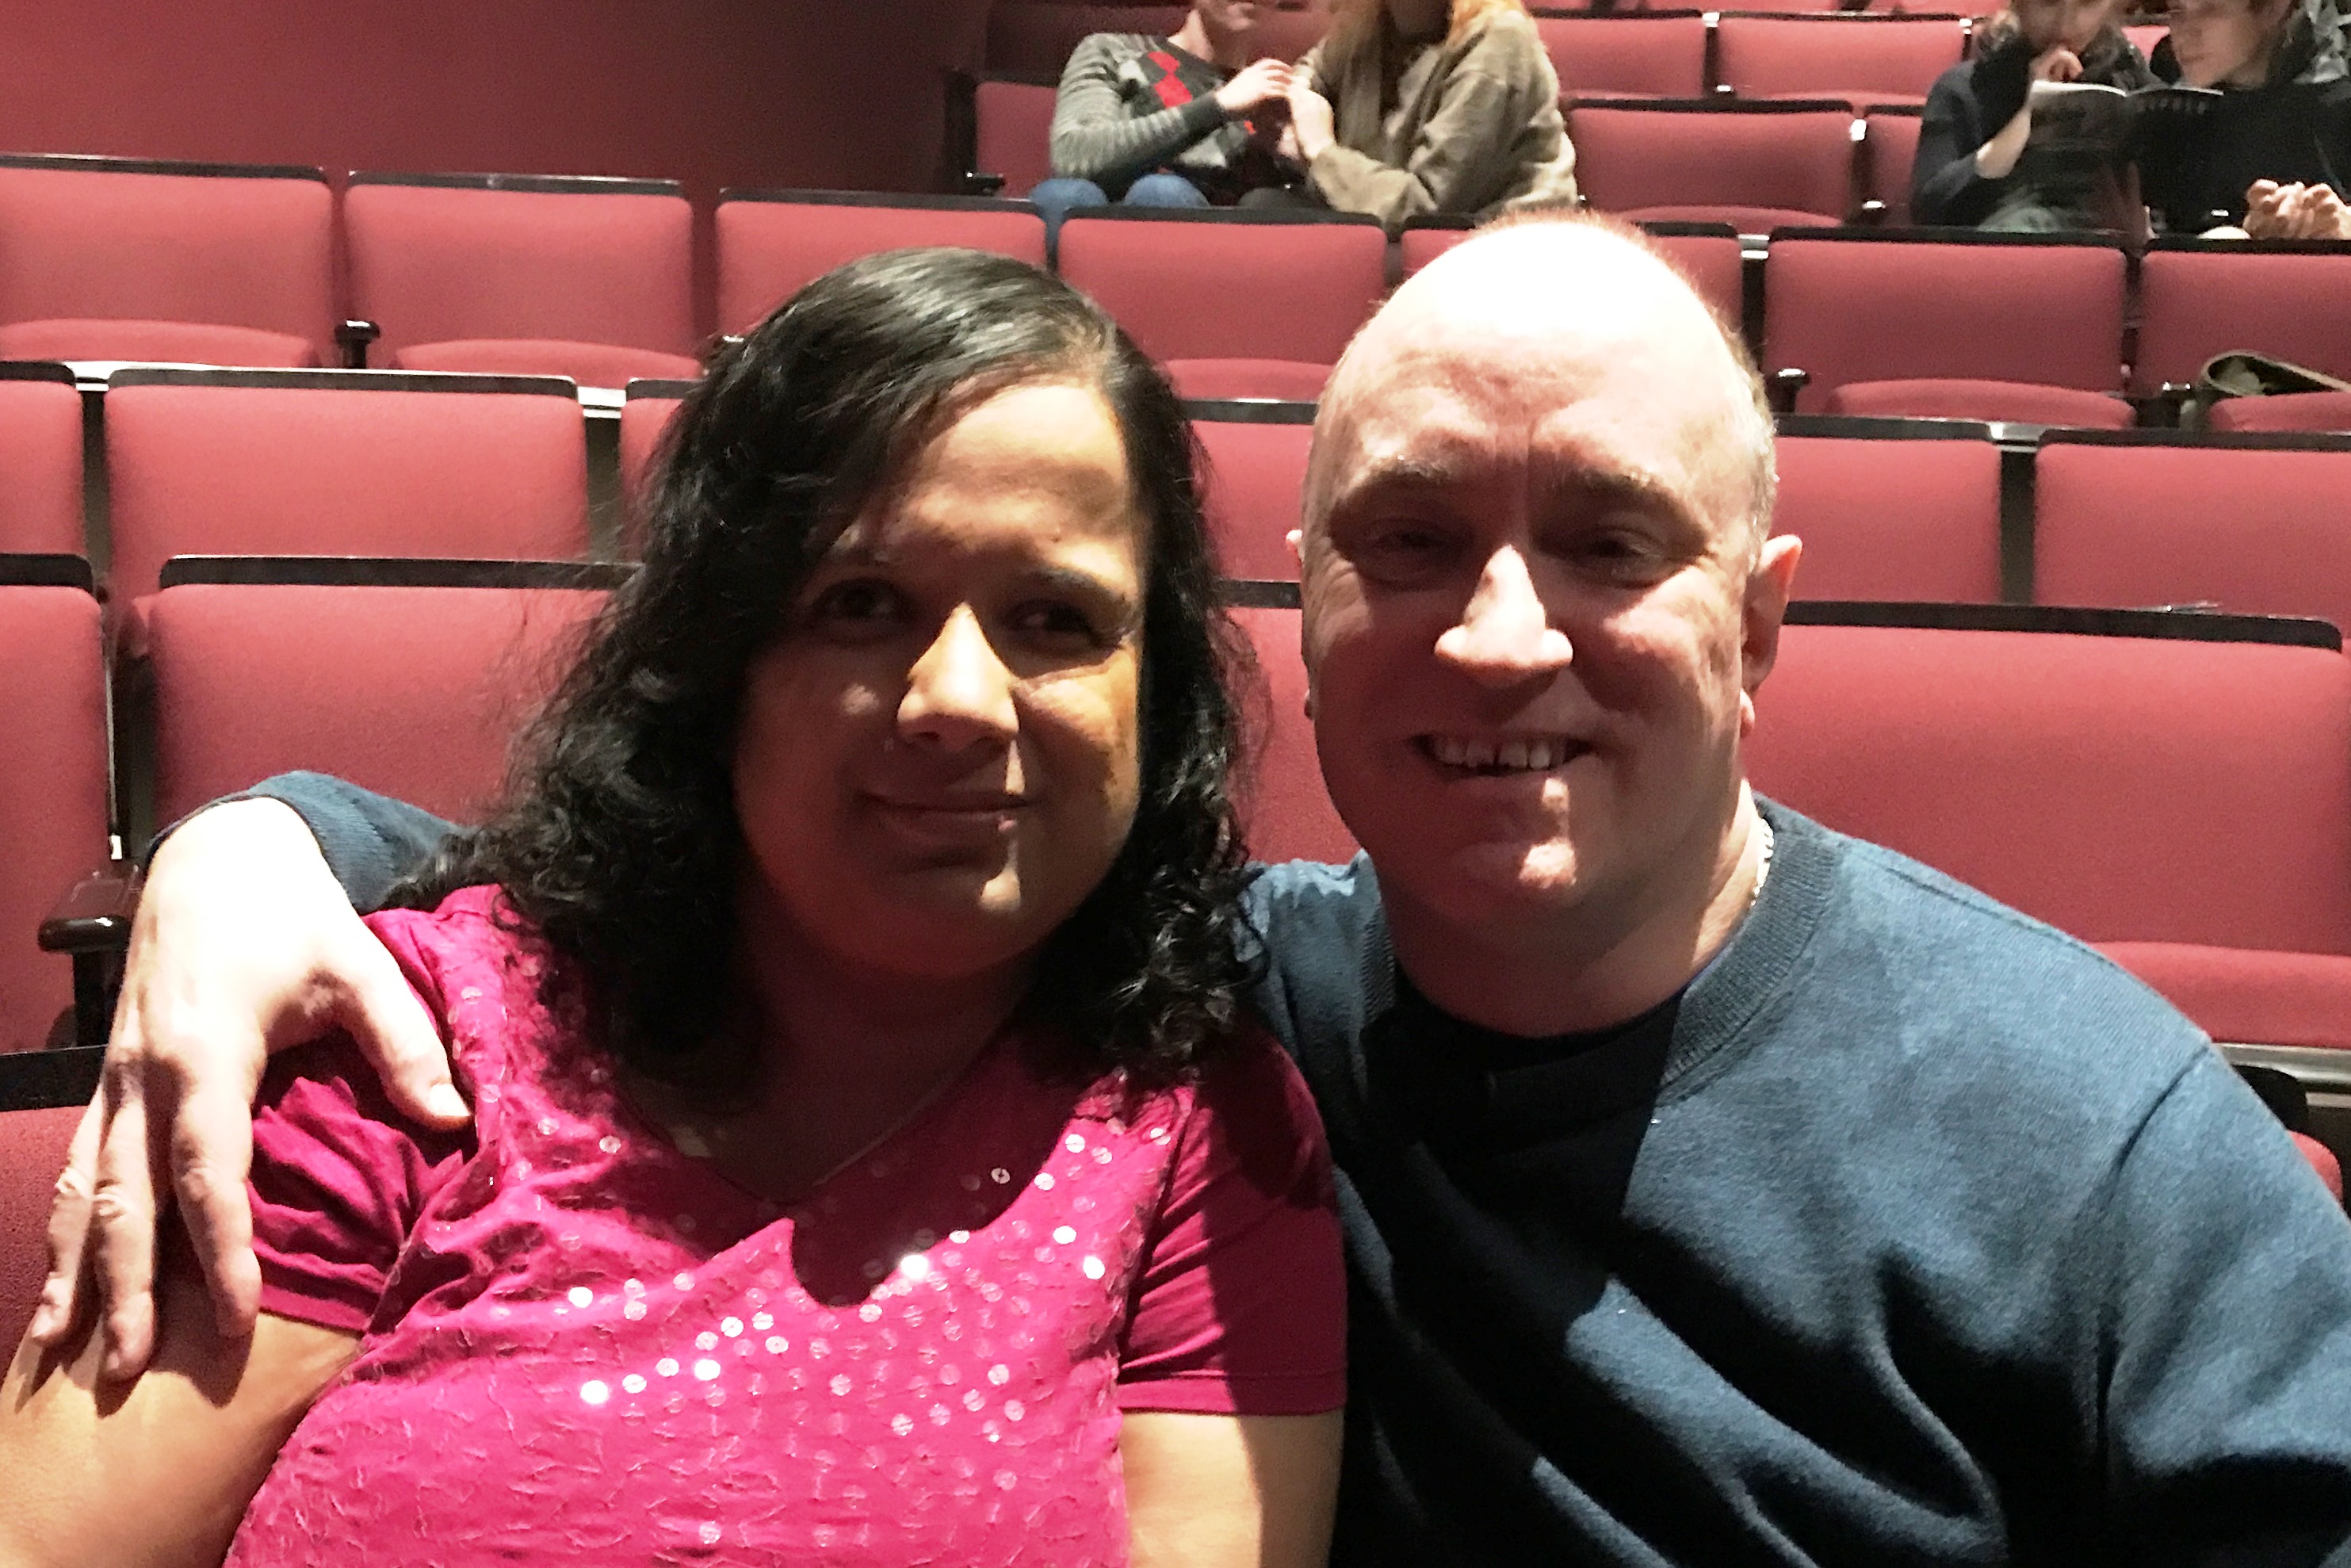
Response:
column 91, row 240
column 502, row 258
column 1889, row 151
column 1229, row 284
column 770, row 243
column 1914, row 518
column 2255, row 531
column 644, row 420
column 1287, row 34
column 1626, row 53
column 32, row 1152
column 416, row 691
column 1034, row 41
column 40, row 460
column 1285, row 811
column 1012, row 129
column 1256, row 474
column 53, row 792
column 1848, row 308
column 1754, row 166
column 2196, row 300
column 1866, row 58
column 2123, row 788
column 377, row 464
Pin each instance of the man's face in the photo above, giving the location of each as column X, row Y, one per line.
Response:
column 1533, row 620
column 1228, row 16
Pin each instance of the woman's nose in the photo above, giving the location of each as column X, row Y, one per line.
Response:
column 960, row 693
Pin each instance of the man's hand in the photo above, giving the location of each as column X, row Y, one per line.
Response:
column 1260, row 83
column 2057, row 63
column 244, row 943
column 1311, row 121
column 2296, row 211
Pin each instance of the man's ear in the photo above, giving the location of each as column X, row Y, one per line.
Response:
column 1768, row 584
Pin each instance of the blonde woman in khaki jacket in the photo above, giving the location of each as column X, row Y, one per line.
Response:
column 1414, row 107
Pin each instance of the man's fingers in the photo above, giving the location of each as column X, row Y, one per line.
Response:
column 212, row 1153
column 392, row 1029
column 124, row 1235
column 69, row 1220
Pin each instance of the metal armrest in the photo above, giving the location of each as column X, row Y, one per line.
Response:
column 93, row 922
column 1783, row 386
column 355, row 337
column 976, row 183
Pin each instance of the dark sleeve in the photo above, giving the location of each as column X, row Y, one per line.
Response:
column 1944, row 185
column 2228, row 1343
column 370, row 841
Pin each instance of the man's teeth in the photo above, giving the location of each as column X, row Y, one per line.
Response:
column 1537, row 756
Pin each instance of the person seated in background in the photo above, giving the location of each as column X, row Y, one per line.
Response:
column 1717, row 1188
column 1415, row 107
column 1165, row 123
column 869, row 1163
column 2271, row 157
column 1972, row 167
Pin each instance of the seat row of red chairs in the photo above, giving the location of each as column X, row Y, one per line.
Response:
column 2174, row 788
column 389, row 464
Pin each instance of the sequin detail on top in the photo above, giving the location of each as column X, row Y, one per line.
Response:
column 592, row 1349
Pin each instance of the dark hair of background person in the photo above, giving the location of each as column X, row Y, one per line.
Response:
column 618, row 840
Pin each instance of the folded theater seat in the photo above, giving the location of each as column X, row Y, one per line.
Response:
column 2012, row 403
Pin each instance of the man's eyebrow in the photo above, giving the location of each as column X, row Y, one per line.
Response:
column 1402, row 473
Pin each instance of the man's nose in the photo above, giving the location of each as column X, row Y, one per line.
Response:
column 960, row 693
column 1505, row 633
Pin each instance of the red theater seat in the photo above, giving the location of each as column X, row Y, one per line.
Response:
column 2257, row 529
column 770, row 243
column 2295, row 411
column 1256, row 472
column 1889, row 150
column 1866, row 58
column 54, row 788
column 2023, row 402
column 1891, row 511
column 2247, row 997
column 1755, row 167
column 414, row 691
column 1928, row 305
column 525, row 274
column 341, row 462
column 1285, row 811
column 1012, row 133
column 1655, row 54
column 40, row 460
column 1034, row 41
column 32, row 1152
column 114, row 258
column 2200, row 299
column 644, row 420
column 1288, row 32
column 2123, row 788
column 1285, row 380
column 1229, row 284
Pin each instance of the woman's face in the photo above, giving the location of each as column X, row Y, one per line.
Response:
column 2064, row 23
column 937, row 757
column 2225, row 42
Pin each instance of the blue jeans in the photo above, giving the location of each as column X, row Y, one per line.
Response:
column 1057, row 199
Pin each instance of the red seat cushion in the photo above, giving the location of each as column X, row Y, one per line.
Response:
column 1221, row 286
column 32, row 1152
column 2295, row 411
column 163, row 342
column 1755, row 171
column 1286, row 812
column 1254, row 478
column 589, row 364
column 2197, row 302
column 1291, row 380
column 770, row 249
column 2020, row 403
column 40, row 467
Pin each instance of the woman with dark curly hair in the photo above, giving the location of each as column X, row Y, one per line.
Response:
column 869, row 1163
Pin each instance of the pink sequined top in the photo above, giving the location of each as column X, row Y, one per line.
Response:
column 582, row 1346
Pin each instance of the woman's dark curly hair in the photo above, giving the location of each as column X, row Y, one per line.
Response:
column 618, row 840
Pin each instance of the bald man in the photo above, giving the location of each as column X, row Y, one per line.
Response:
column 1717, row 1188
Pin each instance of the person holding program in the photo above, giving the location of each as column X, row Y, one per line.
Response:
column 2271, row 160
column 1716, row 1188
column 869, row 1161
column 1972, row 167
column 1412, row 107
column 1165, row 123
